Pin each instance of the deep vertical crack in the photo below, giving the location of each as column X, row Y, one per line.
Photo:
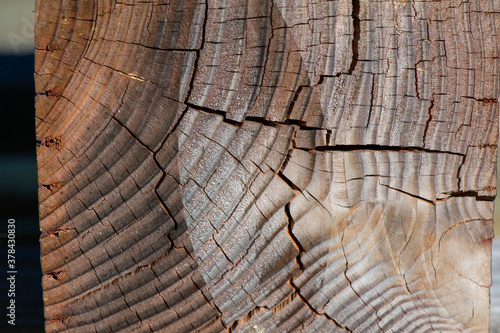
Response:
column 328, row 137
column 356, row 35
column 268, row 49
column 174, row 128
column 429, row 111
column 294, row 100
column 372, row 97
column 198, row 53
column 459, row 170
column 415, row 71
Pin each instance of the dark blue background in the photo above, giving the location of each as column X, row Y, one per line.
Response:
column 18, row 193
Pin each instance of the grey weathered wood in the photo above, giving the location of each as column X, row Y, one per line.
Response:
column 277, row 166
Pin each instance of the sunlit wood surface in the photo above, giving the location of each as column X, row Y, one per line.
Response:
column 272, row 166
column 495, row 289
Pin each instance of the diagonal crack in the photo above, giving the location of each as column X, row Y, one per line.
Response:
column 284, row 178
column 164, row 174
column 313, row 310
column 409, row 194
column 212, row 303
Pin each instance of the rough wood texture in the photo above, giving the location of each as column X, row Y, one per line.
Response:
column 267, row 165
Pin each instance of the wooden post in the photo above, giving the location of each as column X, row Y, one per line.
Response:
column 267, row 165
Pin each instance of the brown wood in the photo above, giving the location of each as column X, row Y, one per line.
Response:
column 267, row 166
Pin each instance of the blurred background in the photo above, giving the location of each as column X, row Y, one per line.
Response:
column 18, row 180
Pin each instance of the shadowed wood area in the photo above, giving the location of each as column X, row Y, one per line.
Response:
column 267, row 165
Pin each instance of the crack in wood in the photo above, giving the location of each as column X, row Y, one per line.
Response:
column 54, row 276
column 467, row 194
column 55, row 232
column 356, row 23
column 372, row 97
column 260, row 120
column 212, row 304
column 351, row 286
column 346, row 107
column 313, row 310
column 247, row 318
column 375, row 147
column 225, row 149
column 164, row 174
column 124, row 297
column 51, row 187
column 268, row 49
column 198, row 53
column 405, row 282
column 445, row 231
column 294, row 100
column 459, row 170
column 290, row 184
column 427, row 123
column 409, row 194
column 295, row 241
column 486, row 100
column 59, row 319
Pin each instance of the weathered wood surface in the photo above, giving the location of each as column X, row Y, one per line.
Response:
column 495, row 288
column 272, row 166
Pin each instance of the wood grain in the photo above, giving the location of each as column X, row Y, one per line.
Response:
column 267, row 166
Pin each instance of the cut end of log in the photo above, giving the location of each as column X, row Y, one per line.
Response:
column 265, row 166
